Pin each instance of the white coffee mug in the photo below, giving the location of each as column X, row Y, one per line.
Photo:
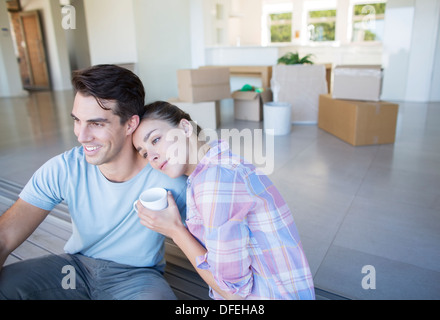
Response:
column 153, row 199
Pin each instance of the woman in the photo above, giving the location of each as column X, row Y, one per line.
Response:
column 241, row 237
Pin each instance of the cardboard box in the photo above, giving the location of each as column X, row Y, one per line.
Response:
column 301, row 86
column 206, row 114
column 200, row 85
column 357, row 82
column 358, row 122
column 248, row 105
column 262, row 72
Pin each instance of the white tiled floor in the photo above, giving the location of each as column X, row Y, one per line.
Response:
column 354, row 206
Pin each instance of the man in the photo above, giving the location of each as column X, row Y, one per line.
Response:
column 112, row 254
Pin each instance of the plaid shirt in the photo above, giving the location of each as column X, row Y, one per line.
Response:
column 253, row 246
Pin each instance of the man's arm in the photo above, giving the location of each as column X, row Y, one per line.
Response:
column 16, row 225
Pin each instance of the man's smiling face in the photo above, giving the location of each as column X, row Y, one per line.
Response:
column 99, row 131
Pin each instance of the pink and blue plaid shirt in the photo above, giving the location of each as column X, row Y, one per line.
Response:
column 253, row 246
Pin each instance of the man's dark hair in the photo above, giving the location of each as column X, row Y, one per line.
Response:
column 112, row 83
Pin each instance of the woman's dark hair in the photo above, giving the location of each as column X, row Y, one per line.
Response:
column 109, row 82
column 165, row 111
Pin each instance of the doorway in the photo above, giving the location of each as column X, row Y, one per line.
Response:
column 32, row 53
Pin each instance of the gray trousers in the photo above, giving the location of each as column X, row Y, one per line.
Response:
column 76, row 277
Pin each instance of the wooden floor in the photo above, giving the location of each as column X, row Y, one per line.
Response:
column 52, row 234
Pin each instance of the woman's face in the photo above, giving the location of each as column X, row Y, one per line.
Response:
column 165, row 146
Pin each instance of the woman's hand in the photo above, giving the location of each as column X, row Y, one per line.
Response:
column 169, row 223
column 166, row 222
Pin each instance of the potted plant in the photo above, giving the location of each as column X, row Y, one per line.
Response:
column 293, row 58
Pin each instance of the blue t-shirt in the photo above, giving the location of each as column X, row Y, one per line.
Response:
column 104, row 224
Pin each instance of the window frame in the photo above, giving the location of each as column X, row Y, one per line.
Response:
column 331, row 19
column 268, row 9
column 281, row 22
column 358, row 18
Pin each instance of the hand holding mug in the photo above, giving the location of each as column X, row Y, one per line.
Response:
column 166, row 221
column 153, row 199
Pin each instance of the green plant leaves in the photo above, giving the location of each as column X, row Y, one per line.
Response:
column 293, row 58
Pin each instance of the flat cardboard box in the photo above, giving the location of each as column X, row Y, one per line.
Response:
column 357, row 82
column 358, row 122
column 248, row 105
column 206, row 114
column 201, row 85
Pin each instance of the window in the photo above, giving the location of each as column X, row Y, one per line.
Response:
column 322, row 25
column 280, row 27
column 368, row 22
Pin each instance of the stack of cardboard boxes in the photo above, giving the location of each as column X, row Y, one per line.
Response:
column 248, row 105
column 354, row 112
column 200, row 92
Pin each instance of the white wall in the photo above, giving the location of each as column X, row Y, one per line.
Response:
column 410, row 48
column 164, row 44
column 197, row 33
column 57, row 47
column 423, row 46
column 399, row 19
column 160, row 36
column 77, row 39
column 111, row 31
column 10, row 83
column 250, row 23
column 241, row 56
column 435, row 84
